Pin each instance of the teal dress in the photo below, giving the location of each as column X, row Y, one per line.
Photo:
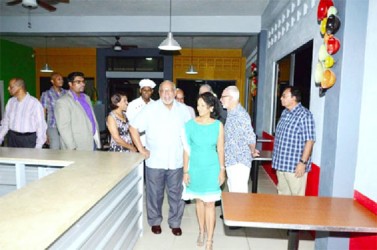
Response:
column 204, row 165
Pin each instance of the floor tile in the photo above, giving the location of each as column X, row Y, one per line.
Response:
column 224, row 239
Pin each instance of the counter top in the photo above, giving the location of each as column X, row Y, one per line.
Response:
column 34, row 216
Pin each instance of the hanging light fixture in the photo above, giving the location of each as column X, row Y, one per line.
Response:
column 191, row 70
column 46, row 68
column 169, row 43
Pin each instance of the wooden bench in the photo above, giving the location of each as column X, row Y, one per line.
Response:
column 297, row 213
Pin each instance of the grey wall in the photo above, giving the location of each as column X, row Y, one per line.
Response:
column 337, row 114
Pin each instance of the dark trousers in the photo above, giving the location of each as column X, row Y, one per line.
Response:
column 21, row 140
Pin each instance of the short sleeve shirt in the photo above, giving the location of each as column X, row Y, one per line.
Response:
column 239, row 134
column 163, row 129
column 294, row 128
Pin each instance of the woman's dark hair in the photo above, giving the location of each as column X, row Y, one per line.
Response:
column 211, row 101
column 115, row 99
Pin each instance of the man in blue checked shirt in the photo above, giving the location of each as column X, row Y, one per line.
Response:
column 293, row 144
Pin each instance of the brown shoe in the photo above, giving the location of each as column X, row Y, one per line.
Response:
column 156, row 229
column 176, row 231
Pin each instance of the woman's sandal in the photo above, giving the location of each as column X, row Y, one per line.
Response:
column 209, row 245
column 200, row 241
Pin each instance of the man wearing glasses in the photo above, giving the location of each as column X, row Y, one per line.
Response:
column 75, row 118
column 239, row 141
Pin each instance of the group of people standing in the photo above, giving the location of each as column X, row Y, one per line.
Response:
column 189, row 154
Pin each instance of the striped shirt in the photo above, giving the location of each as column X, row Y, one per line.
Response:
column 239, row 134
column 24, row 117
column 48, row 100
column 294, row 128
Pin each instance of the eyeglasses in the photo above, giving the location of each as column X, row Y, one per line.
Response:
column 79, row 81
column 223, row 96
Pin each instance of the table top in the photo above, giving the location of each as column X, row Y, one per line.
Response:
column 297, row 212
column 264, row 155
column 36, row 215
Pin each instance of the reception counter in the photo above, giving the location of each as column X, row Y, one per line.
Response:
column 94, row 201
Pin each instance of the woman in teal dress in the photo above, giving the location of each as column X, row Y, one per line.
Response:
column 204, row 170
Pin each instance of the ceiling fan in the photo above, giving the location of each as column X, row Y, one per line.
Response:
column 117, row 45
column 32, row 4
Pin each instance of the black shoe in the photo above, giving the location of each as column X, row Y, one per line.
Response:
column 218, row 203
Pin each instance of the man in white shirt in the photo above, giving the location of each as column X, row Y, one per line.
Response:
column 134, row 107
column 146, row 91
column 23, row 120
column 162, row 121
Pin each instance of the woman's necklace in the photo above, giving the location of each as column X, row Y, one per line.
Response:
column 120, row 115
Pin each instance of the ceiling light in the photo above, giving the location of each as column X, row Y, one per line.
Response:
column 117, row 46
column 191, row 70
column 30, row 4
column 169, row 43
column 46, row 68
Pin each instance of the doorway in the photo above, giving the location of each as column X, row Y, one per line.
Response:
column 295, row 69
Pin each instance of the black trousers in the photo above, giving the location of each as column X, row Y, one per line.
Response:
column 21, row 140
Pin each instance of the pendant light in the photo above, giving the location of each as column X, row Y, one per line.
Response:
column 169, row 43
column 191, row 70
column 46, row 68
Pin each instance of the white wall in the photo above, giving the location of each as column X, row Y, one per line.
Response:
column 366, row 167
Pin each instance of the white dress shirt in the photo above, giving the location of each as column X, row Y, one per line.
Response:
column 163, row 128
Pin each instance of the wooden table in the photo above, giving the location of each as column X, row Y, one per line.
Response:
column 263, row 156
column 297, row 213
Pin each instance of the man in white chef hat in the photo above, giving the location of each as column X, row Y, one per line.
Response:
column 134, row 107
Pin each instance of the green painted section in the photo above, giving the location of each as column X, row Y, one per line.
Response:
column 17, row 61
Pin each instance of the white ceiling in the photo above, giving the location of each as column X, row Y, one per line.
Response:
column 94, row 23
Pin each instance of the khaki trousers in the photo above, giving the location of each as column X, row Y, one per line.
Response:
column 288, row 184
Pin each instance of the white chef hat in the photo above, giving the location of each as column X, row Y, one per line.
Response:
column 147, row 83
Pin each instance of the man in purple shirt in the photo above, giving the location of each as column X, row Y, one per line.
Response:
column 75, row 118
column 48, row 100
column 23, row 119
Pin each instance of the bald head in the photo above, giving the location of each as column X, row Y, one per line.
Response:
column 17, row 87
column 180, row 95
column 205, row 88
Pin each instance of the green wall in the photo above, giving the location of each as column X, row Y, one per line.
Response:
column 17, row 61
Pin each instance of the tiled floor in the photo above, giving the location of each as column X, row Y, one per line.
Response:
column 240, row 239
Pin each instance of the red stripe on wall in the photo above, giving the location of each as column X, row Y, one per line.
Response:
column 365, row 201
column 364, row 241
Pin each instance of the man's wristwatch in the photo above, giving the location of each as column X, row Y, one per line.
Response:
column 303, row 162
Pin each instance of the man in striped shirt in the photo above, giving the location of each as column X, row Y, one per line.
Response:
column 23, row 119
column 48, row 99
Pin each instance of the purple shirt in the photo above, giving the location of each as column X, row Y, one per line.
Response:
column 26, row 116
column 48, row 100
column 86, row 107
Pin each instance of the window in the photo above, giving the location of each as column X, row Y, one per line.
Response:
column 135, row 64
